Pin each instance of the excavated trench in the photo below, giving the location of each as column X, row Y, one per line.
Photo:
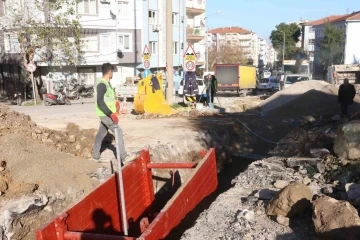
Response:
column 231, row 161
column 225, row 177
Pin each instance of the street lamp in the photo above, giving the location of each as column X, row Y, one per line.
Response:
column 283, row 48
column 206, row 39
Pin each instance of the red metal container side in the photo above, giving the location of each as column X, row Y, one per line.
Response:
column 202, row 183
column 77, row 223
column 139, row 195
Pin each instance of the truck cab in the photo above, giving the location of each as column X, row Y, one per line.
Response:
column 297, row 67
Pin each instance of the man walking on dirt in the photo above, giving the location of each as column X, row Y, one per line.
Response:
column 346, row 96
column 211, row 88
column 106, row 107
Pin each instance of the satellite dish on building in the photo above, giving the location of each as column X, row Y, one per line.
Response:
column 114, row 8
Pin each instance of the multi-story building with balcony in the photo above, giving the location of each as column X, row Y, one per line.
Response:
column 349, row 24
column 272, row 55
column 155, row 35
column 263, row 52
column 111, row 33
column 241, row 37
column 196, row 28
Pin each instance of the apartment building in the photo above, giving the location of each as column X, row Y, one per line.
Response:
column 272, row 54
column 196, row 26
column 154, row 28
column 111, row 33
column 308, row 34
column 263, row 52
column 247, row 40
column 350, row 25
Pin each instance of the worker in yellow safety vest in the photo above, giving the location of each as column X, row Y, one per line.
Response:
column 106, row 108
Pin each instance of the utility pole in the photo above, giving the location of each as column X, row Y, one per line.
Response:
column 169, row 54
column 283, row 57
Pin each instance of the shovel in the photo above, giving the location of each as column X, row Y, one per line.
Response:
column 121, row 183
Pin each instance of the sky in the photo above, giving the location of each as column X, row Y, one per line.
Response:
column 261, row 16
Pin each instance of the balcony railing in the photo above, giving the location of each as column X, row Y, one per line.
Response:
column 195, row 33
column 196, row 4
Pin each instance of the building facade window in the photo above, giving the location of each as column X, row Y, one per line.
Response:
column 125, row 42
column 105, row 42
column 91, row 42
column 123, row 8
column 153, row 48
column 176, row 48
column 87, row 7
column 12, row 43
column 175, row 19
column 311, row 41
column 152, row 17
column 87, row 76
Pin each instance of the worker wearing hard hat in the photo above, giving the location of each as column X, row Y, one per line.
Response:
column 106, row 108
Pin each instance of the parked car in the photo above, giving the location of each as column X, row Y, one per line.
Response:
column 293, row 78
column 275, row 84
column 200, row 83
column 263, row 84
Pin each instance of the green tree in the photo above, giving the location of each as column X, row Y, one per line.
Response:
column 49, row 29
column 331, row 47
column 292, row 33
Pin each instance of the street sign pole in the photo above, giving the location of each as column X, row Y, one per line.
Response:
column 31, row 67
column 33, row 83
column 169, row 53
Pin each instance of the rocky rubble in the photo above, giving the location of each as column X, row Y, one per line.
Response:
column 347, row 142
column 304, row 185
column 335, row 219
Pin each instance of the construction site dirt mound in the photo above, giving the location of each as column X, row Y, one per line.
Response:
column 33, row 163
column 72, row 140
column 323, row 102
column 289, row 94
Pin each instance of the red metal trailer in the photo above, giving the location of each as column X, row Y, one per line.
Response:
column 98, row 215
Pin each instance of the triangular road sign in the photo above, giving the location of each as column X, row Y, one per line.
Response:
column 189, row 50
column 146, row 51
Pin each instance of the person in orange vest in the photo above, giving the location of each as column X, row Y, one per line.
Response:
column 106, row 108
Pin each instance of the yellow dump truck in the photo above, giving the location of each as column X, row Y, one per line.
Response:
column 235, row 77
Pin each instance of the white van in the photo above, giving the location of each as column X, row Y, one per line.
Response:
column 294, row 78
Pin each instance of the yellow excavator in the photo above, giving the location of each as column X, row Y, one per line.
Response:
column 150, row 97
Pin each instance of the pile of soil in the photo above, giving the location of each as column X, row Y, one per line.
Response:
column 289, row 94
column 310, row 98
column 33, row 163
column 73, row 140
column 323, row 102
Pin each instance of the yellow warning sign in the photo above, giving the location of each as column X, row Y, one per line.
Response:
column 190, row 58
column 189, row 54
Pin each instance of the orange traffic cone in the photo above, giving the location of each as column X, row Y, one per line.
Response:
column 123, row 106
